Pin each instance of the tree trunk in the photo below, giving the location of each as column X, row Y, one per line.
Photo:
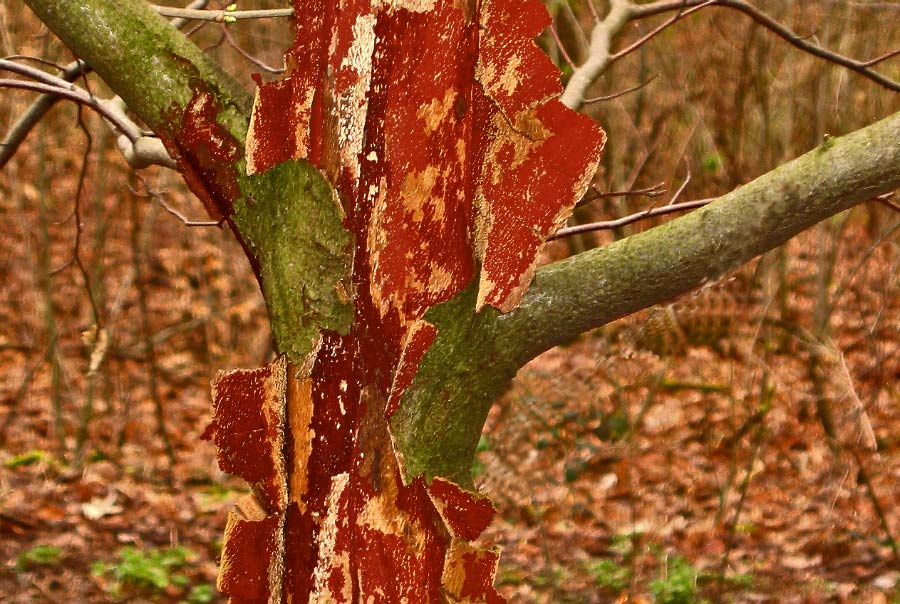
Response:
column 433, row 135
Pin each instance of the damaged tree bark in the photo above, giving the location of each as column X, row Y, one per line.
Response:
column 452, row 163
column 392, row 193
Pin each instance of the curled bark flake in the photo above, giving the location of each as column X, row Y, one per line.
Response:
column 206, row 153
column 539, row 158
column 467, row 514
column 248, row 431
column 468, row 576
column 514, row 72
column 251, row 567
column 267, row 143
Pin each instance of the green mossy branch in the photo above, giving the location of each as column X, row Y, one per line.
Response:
column 438, row 424
column 151, row 65
column 591, row 289
column 290, row 219
column 473, row 358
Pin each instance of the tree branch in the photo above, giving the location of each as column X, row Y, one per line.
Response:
column 623, row 12
column 127, row 37
column 630, row 219
column 615, row 95
column 39, row 108
column 620, row 13
column 474, row 356
column 591, row 289
column 223, row 16
column 77, row 95
column 139, row 151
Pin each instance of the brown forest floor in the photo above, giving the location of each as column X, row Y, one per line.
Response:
column 620, row 474
column 623, row 475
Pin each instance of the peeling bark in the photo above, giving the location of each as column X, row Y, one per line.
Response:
column 248, row 429
column 434, row 121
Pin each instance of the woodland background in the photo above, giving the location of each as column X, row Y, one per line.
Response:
column 739, row 445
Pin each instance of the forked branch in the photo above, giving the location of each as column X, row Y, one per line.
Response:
column 137, row 149
column 622, row 12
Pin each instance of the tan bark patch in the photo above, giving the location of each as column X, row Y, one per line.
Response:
column 437, row 111
column 329, row 558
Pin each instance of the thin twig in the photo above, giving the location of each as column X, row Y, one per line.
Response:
column 687, row 179
column 615, row 95
column 559, row 45
column 885, row 200
column 150, row 192
column 863, row 476
column 138, row 244
column 845, row 282
column 95, row 340
column 873, row 5
column 77, row 95
column 640, row 11
column 20, row 393
column 866, row 431
column 758, row 439
column 179, row 22
column 565, row 9
column 631, row 218
column 259, row 63
column 223, row 16
column 36, row 74
column 655, row 31
column 215, row 44
column 651, row 191
column 39, row 108
column 881, row 58
column 38, row 60
column 79, row 226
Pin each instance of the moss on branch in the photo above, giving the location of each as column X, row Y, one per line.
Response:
column 146, row 61
column 474, row 357
column 288, row 218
